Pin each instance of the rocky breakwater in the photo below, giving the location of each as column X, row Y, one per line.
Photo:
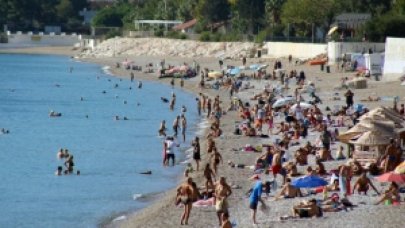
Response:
column 169, row 47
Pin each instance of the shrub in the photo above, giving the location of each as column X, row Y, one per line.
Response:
column 159, row 33
column 205, row 36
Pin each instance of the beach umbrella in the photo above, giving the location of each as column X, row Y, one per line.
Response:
column 233, row 71
column 303, row 105
column 283, row 101
column 332, row 30
column 254, row 66
column 372, row 138
column 310, row 181
column 391, row 177
column 400, row 169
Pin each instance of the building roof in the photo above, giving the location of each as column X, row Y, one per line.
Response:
column 185, row 25
column 352, row 20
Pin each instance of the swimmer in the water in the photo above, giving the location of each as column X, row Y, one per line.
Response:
column 162, row 129
column 125, row 102
column 125, row 118
column 165, row 100
column 117, row 118
column 81, row 98
column 140, row 84
column 104, row 91
column 58, row 171
column 60, row 154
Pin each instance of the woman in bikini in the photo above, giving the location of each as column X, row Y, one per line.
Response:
column 185, row 195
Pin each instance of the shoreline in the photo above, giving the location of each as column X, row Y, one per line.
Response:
column 163, row 213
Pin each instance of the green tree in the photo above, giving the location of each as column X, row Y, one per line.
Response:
column 65, row 9
column 306, row 13
column 252, row 13
column 213, row 11
column 273, row 10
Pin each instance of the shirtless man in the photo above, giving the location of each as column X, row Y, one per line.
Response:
column 390, row 156
column 216, row 158
column 363, row 184
column 162, row 128
column 183, row 124
column 288, row 191
column 184, row 195
column 208, row 174
column 222, row 192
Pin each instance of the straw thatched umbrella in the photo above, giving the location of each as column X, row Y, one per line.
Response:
column 383, row 114
column 386, row 128
column 372, row 138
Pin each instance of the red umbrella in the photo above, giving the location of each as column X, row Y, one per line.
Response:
column 391, row 177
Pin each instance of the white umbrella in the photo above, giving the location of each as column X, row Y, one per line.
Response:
column 303, row 105
column 283, row 101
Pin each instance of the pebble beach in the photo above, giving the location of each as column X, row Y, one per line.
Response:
column 163, row 213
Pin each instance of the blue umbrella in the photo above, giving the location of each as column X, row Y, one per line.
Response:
column 234, row 71
column 254, row 66
column 309, row 182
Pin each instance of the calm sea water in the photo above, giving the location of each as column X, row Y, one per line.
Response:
column 108, row 153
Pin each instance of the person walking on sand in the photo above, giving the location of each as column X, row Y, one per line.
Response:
column 222, row 192
column 216, row 158
column 196, row 152
column 184, row 195
column 176, row 125
column 208, row 174
column 172, row 82
column 183, row 124
column 256, row 196
column 349, row 98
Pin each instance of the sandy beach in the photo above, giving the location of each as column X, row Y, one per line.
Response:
column 163, row 213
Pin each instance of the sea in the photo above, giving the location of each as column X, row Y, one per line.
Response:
column 109, row 153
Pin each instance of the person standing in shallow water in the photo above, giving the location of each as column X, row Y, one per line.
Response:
column 183, row 123
column 172, row 102
column 176, row 125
